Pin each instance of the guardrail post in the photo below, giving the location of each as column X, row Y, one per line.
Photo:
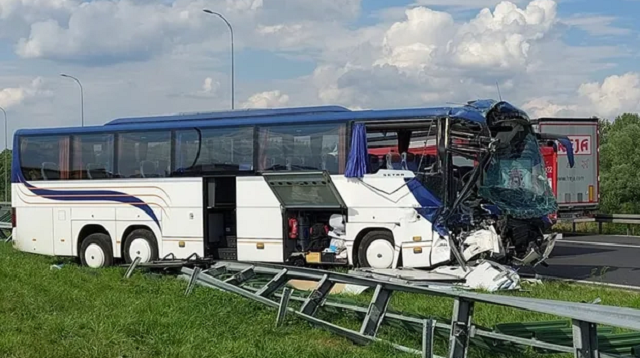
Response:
column 315, row 298
column 282, row 308
column 599, row 227
column 428, row 332
column 460, row 328
column 132, row 267
column 375, row 313
column 585, row 339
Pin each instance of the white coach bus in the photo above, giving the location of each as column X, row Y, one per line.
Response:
column 291, row 185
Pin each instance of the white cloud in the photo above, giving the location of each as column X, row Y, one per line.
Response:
column 267, row 99
column 462, row 4
column 168, row 56
column 607, row 99
column 106, row 32
column 543, row 107
column 431, row 58
column 614, row 95
column 209, row 86
column 596, row 24
column 15, row 96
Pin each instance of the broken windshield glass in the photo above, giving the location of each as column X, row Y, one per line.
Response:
column 516, row 181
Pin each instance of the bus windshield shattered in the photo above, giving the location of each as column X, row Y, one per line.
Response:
column 483, row 169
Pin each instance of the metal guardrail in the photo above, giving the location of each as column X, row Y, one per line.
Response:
column 5, row 221
column 272, row 291
column 628, row 219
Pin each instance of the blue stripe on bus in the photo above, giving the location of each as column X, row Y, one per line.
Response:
column 94, row 195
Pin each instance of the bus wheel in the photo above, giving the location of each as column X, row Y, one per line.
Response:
column 376, row 250
column 95, row 251
column 140, row 243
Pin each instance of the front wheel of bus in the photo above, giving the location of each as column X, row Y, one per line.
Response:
column 376, row 250
column 141, row 243
column 95, row 251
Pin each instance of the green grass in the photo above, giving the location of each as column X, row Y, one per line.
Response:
column 79, row 312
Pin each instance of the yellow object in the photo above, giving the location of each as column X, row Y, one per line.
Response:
column 260, row 246
column 417, row 238
column 181, row 244
column 417, row 250
column 590, row 192
column 313, row 257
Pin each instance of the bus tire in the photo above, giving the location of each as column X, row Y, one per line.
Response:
column 95, row 251
column 142, row 243
column 376, row 250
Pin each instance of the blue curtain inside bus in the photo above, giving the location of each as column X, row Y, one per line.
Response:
column 358, row 163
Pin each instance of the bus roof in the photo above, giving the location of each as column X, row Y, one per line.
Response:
column 474, row 111
column 239, row 113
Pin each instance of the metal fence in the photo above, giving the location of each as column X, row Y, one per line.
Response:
column 272, row 290
column 5, row 221
column 627, row 219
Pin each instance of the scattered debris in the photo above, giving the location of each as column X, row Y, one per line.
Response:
column 487, row 275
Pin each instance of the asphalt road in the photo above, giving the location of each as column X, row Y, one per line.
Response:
column 608, row 259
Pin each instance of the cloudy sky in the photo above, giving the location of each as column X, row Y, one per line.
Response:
column 147, row 57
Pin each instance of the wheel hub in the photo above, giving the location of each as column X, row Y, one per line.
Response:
column 140, row 248
column 380, row 254
column 94, row 256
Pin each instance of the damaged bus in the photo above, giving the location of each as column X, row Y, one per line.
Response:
column 293, row 185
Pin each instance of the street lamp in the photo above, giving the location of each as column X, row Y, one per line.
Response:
column 6, row 181
column 232, row 64
column 81, row 95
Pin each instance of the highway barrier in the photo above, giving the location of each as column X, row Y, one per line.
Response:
column 586, row 331
column 5, row 221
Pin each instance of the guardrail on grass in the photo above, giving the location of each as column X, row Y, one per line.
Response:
column 627, row 219
column 271, row 290
column 5, row 221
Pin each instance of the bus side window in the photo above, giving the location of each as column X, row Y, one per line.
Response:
column 221, row 149
column 92, row 156
column 140, row 154
column 302, row 147
column 44, row 157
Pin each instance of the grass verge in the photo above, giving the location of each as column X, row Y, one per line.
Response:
column 79, row 312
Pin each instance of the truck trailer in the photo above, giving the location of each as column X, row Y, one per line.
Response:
column 577, row 188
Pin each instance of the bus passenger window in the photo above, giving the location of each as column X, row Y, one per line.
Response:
column 44, row 157
column 306, row 147
column 92, row 156
column 144, row 154
column 214, row 150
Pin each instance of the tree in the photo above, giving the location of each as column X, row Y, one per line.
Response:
column 620, row 165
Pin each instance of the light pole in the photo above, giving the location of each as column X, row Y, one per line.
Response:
column 232, row 60
column 6, row 181
column 81, row 94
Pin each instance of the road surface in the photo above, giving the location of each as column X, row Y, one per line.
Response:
column 608, row 259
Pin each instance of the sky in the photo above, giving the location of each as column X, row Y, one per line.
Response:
column 153, row 57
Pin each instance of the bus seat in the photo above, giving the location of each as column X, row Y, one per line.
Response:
column 148, row 169
column 163, row 168
column 409, row 161
column 96, row 171
column 50, row 171
column 394, row 161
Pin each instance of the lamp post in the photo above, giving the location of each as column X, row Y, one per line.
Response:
column 232, row 60
column 6, row 181
column 81, row 95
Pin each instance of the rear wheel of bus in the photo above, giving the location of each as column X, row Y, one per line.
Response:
column 141, row 243
column 95, row 251
column 376, row 250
